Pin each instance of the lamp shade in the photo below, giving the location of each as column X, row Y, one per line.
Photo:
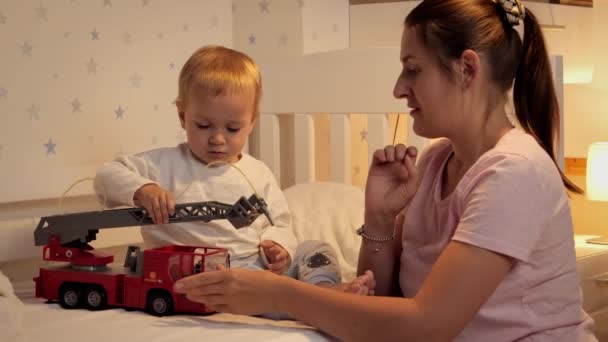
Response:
column 597, row 172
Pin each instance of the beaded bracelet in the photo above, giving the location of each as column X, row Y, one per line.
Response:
column 361, row 232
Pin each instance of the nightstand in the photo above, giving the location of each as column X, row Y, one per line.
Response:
column 592, row 265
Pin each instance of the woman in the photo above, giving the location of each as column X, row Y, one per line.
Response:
column 474, row 242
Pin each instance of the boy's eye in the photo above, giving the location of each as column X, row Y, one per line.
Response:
column 202, row 126
column 233, row 130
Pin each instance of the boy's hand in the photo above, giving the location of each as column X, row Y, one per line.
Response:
column 157, row 201
column 277, row 256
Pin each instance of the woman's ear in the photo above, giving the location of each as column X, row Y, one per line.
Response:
column 469, row 65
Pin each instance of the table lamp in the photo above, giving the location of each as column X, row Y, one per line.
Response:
column 597, row 178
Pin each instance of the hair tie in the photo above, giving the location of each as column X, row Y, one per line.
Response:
column 514, row 10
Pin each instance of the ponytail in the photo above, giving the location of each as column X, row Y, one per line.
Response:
column 534, row 95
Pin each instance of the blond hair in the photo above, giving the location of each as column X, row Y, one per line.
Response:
column 218, row 70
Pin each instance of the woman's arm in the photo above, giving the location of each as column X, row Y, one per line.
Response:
column 383, row 260
column 463, row 278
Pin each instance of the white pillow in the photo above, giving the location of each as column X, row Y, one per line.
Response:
column 11, row 310
column 329, row 212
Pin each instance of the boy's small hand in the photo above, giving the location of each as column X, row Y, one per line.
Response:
column 159, row 202
column 277, row 256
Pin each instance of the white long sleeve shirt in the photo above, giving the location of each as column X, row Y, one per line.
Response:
column 189, row 180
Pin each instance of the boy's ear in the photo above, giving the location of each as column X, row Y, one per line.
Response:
column 181, row 112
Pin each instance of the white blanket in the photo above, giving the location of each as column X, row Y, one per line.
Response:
column 50, row 323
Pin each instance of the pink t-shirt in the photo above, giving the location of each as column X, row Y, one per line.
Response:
column 511, row 201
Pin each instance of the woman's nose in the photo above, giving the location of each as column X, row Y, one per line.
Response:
column 401, row 90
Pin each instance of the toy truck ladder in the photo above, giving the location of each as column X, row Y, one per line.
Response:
column 66, row 237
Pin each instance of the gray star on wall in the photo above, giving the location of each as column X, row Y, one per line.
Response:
column 55, row 76
column 154, row 140
column 301, row 3
column 314, row 36
column 357, row 170
column 91, row 139
column 1, row 149
column 214, row 21
column 94, row 34
column 76, row 105
column 363, row 134
column 26, row 49
column 264, row 6
column 145, row 3
column 66, row 35
column 3, row 93
column 126, row 38
column 50, row 147
column 120, row 113
column 186, row 27
column 41, row 13
column 335, row 28
column 234, row 8
column 251, row 39
column 34, row 112
column 3, row 18
column 91, row 66
column 171, row 65
column 283, row 39
column 155, row 107
column 107, row 3
column 136, row 80
column 160, row 35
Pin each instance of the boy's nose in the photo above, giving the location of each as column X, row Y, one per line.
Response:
column 216, row 139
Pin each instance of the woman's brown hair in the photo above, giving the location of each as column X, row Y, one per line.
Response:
column 449, row 27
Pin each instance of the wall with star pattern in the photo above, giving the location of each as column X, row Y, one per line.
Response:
column 82, row 81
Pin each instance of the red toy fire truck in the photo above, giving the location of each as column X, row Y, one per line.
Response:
column 87, row 278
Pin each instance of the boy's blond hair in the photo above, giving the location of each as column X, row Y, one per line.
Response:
column 218, row 70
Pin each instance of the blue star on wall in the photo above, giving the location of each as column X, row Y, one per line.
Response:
column 50, row 147
column 94, row 34
column 41, row 13
column 91, row 66
column 264, row 6
column 34, row 112
column 251, row 39
column 3, row 93
column 136, row 80
column 26, row 49
column 76, row 105
column 3, row 18
column 119, row 112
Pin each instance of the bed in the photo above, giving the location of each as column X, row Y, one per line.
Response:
column 318, row 145
column 317, row 135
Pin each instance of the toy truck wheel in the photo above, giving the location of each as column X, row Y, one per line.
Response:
column 70, row 296
column 160, row 304
column 95, row 298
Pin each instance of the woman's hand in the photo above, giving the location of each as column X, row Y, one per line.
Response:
column 159, row 203
column 392, row 181
column 232, row 290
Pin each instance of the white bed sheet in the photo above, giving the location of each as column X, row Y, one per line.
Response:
column 50, row 323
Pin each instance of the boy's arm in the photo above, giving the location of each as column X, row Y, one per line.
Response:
column 281, row 232
column 116, row 181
